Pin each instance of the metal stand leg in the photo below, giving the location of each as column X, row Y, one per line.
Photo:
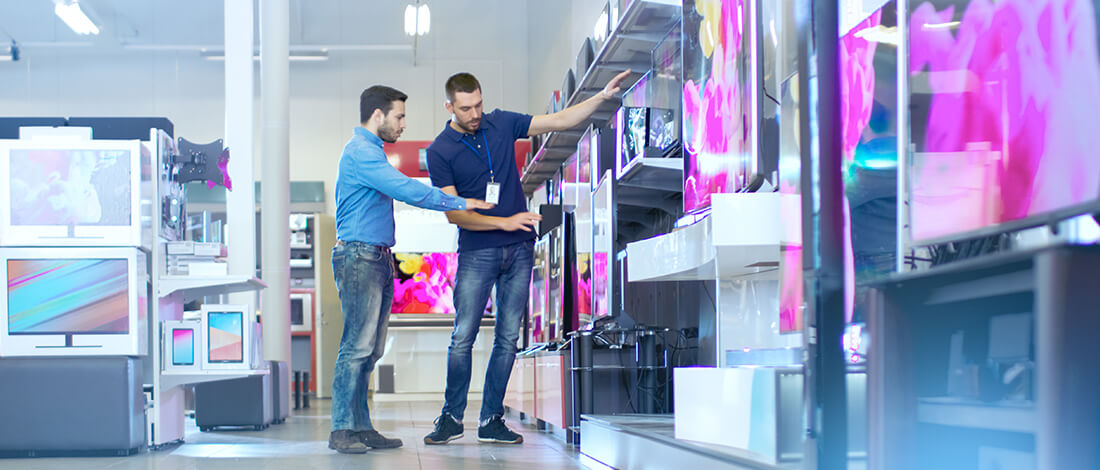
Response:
column 297, row 389
column 305, row 389
column 646, row 349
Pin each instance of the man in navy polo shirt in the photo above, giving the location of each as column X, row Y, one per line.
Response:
column 474, row 157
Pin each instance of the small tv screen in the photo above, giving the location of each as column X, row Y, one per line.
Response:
column 637, row 129
column 226, row 337
column 68, row 296
column 183, row 347
column 70, row 187
column 664, row 129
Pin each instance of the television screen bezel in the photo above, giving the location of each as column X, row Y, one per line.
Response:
column 132, row 343
column 130, row 234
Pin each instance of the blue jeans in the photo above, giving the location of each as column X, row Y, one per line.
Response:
column 364, row 278
column 509, row 267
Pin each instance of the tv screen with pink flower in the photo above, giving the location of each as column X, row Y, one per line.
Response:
column 717, row 108
column 424, row 283
column 1003, row 100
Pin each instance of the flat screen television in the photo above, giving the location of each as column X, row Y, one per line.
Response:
column 424, row 283
column 181, row 343
column 718, row 90
column 228, row 333
column 74, row 192
column 602, row 246
column 539, row 302
column 1002, row 103
column 664, row 130
column 73, row 301
column 636, row 135
column 170, row 192
column 301, row 311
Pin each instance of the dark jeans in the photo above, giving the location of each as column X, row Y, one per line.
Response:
column 364, row 278
column 509, row 267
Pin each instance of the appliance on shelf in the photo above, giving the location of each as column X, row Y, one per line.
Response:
column 180, row 343
column 229, row 333
column 301, row 311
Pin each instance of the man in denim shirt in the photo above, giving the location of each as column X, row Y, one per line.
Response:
column 365, row 189
column 474, row 156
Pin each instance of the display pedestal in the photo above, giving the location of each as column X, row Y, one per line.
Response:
column 71, row 406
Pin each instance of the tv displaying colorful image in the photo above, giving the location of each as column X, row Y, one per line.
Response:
column 1003, row 96
column 637, row 129
column 540, row 293
column 68, row 296
column 664, row 129
column 424, row 283
column 183, row 347
column 69, row 187
column 225, row 334
column 717, row 108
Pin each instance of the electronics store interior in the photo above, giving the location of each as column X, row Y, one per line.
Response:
column 761, row 234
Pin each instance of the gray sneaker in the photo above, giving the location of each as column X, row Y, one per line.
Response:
column 376, row 440
column 346, row 442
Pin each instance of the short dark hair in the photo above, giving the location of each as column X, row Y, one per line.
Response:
column 378, row 97
column 461, row 82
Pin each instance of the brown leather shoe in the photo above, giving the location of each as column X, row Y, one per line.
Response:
column 346, row 442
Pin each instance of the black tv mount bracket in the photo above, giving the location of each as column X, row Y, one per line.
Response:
column 203, row 162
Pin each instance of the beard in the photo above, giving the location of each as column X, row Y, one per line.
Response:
column 467, row 126
column 388, row 134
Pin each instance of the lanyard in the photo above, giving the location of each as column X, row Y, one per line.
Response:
column 488, row 154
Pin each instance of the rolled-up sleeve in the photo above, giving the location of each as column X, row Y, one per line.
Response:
column 377, row 173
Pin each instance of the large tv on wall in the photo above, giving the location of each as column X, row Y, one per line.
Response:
column 74, row 192
column 1002, row 103
column 73, row 301
column 424, row 283
column 718, row 90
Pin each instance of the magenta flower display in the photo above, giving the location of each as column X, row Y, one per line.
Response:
column 716, row 109
column 1009, row 131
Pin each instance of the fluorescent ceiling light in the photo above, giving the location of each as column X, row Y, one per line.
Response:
column 295, row 56
column 418, row 20
column 70, row 12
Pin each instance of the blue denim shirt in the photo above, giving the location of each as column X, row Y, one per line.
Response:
column 367, row 185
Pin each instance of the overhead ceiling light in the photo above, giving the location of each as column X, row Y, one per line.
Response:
column 295, row 56
column 78, row 20
column 418, row 20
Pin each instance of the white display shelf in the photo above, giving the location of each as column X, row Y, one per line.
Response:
column 200, row 286
column 740, row 238
column 1009, row 417
column 641, row 27
column 169, row 379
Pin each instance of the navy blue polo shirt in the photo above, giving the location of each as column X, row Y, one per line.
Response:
column 452, row 162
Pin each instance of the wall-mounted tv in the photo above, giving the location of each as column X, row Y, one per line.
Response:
column 718, row 95
column 1002, row 103
column 74, row 192
column 73, row 301
column 424, row 283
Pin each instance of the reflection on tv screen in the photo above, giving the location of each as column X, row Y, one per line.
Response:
column 70, row 187
column 68, row 296
column 1004, row 129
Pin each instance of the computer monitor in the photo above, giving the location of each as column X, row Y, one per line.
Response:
column 59, row 192
column 73, row 302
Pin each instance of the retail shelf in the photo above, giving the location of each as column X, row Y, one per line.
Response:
column 641, row 27
column 169, row 379
column 650, row 183
column 200, row 286
column 306, row 246
column 740, row 238
column 301, row 263
column 1009, row 417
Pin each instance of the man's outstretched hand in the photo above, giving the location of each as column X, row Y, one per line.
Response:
column 615, row 84
column 472, row 204
column 526, row 221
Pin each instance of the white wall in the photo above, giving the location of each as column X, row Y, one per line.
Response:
column 486, row 37
column 557, row 29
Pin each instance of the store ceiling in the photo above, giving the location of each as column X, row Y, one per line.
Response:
column 166, row 24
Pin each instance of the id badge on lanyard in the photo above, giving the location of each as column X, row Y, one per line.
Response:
column 492, row 193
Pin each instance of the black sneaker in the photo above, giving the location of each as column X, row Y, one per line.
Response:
column 447, row 429
column 346, row 442
column 496, row 431
column 376, row 440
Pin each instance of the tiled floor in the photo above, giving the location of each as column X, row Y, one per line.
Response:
column 302, row 443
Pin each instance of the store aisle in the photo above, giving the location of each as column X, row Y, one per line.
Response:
column 302, row 443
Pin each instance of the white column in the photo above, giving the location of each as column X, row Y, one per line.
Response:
column 275, row 169
column 241, row 201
